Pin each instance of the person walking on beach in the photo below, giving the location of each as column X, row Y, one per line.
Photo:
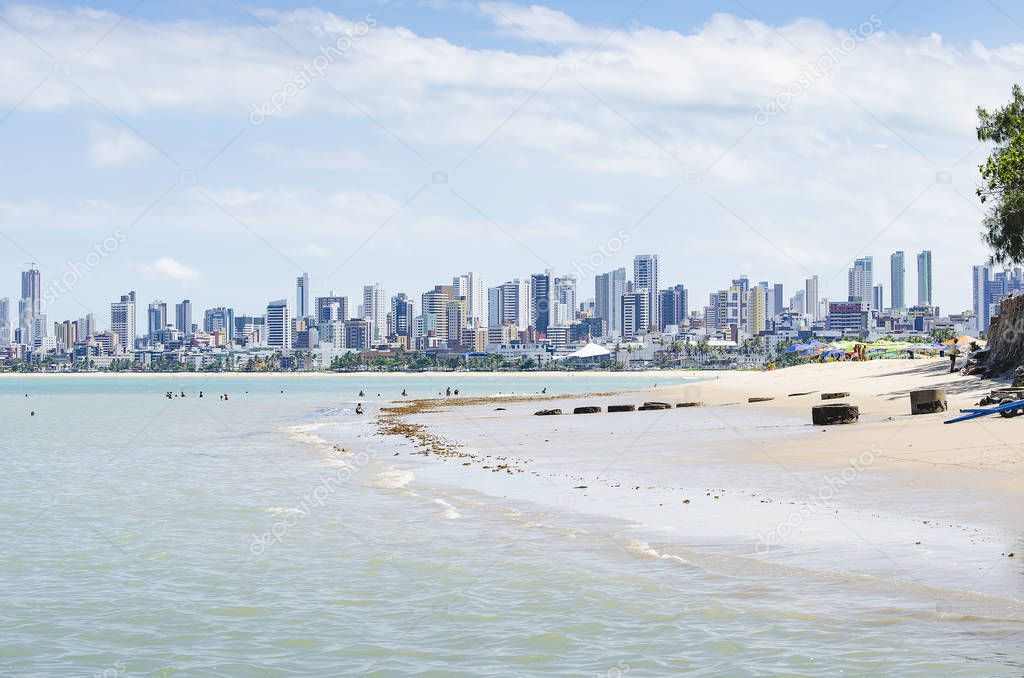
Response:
column 952, row 358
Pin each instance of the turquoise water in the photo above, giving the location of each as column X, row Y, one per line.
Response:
column 188, row 537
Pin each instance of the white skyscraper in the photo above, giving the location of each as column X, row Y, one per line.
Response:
column 375, row 309
column 509, row 303
column 279, row 324
column 122, row 321
column 645, row 280
column 980, row 294
column 861, row 283
column 5, row 322
column 471, row 286
column 30, row 304
column 608, row 290
column 302, row 295
column 924, row 278
column 811, row 305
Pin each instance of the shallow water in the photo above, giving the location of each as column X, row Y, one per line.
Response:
column 188, row 537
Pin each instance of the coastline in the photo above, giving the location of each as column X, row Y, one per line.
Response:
column 896, row 498
column 368, row 374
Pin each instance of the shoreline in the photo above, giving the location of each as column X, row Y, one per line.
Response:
column 896, row 497
column 364, row 375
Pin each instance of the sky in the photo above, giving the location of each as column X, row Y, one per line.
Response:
column 216, row 149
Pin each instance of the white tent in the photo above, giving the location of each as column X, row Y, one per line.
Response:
column 589, row 351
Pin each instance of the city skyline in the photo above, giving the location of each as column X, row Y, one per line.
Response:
column 335, row 179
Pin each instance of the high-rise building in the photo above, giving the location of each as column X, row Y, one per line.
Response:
column 471, row 286
column 435, row 303
column 279, row 324
column 796, row 303
column 981, row 293
column 778, row 304
column 636, row 315
column 812, row 306
column 509, row 303
column 183, row 317
column 674, row 307
column 302, row 295
column 30, row 304
column 402, row 315
column 878, row 297
column 757, row 303
column 924, row 278
column 375, row 309
column 564, row 298
column 5, row 322
column 357, row 334
column 156, row 318
column 122, row 321
column 542, row 290
column 645, row 278
column 86, row 327
column 608, row 290
column 220, row 319
column 898, row 281
column 860, row 282
column 331, row 308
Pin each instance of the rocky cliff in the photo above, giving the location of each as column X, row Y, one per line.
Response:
column 1006, row 337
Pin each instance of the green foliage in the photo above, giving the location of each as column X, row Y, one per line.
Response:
column 1003, row 179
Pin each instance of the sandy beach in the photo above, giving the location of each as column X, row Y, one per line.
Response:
column 904, row 501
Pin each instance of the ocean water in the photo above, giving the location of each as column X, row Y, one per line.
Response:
column 202, row 537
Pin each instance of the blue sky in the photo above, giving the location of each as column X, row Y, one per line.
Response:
column 559, row 128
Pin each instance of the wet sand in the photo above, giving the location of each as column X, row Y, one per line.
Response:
column 903, row 500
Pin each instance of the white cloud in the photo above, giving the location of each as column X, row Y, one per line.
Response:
column 822, row 180
column 112, row 147
column 169, row 267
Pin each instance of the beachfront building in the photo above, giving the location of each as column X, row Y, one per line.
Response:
column 564, row 299
column 279, row 325
column 375, row 309
column 924, row 278
column 156, row 318
column 183, row 317
column 674, row 307
column 122, row 321
column 645, row 281
column 400, row 318
column 635, row 315
column 812, row 306
column 5, row 322
column 847, row 316
column 757, row 304
column 302, row 295
column 435, row 303
column 471, row 286
column 542, row 300
column 357, row 334
column 860, row 280
column 897, row 280
column 509, row 303
column 608, row 290
column 220, row 319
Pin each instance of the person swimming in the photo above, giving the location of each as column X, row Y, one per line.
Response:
column 359, row 408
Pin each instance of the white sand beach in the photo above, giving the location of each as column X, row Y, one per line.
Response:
column 902, row 500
